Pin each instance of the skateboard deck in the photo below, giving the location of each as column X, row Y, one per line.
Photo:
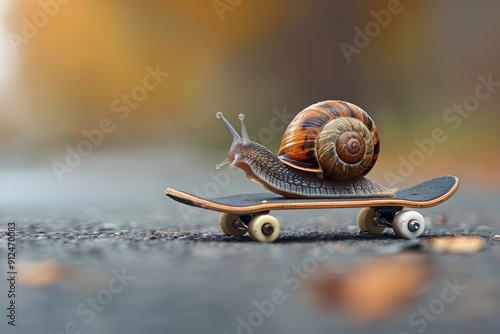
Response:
column 426, row 194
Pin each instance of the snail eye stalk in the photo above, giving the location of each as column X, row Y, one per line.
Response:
column 244, row 133
column 229, row 127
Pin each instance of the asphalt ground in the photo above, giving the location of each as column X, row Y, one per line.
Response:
column 127, row 259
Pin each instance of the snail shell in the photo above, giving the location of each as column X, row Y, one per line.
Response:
column 336, row 139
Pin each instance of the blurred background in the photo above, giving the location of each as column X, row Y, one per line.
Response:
column 62, row 66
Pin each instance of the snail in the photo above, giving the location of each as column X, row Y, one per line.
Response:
column 326, row 151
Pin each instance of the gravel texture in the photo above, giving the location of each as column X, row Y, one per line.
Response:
column 183, row 276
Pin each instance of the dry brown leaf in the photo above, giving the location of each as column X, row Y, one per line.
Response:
column 373, row 289
column 456, row 244
column 440, row 219
column 41, row 273
column 46, row 272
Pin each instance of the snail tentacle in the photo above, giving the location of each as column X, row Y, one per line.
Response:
column 245, row 140
column 229, row 127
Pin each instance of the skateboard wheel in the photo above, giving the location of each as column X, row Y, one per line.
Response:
column 366, row 222
column 408, row 224
column 226, row 224
column 264, row 228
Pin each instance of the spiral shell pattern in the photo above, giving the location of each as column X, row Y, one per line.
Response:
column 336, row 138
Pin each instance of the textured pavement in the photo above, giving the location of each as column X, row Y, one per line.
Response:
column 145, row 265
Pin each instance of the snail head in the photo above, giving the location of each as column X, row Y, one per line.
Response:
column 241, row 145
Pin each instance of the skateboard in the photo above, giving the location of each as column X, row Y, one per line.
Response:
column 250, row 212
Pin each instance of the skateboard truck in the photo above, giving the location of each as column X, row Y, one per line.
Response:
column 406, row 224
column 239, row 225
column 385, row 215
column 244, row 220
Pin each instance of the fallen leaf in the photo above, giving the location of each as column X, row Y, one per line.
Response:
column 456, row 244
column 440, row 219
column 41, row 273
column 372, row 289
column 46, row 272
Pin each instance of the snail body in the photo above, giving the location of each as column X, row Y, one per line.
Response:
column 325, row 152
